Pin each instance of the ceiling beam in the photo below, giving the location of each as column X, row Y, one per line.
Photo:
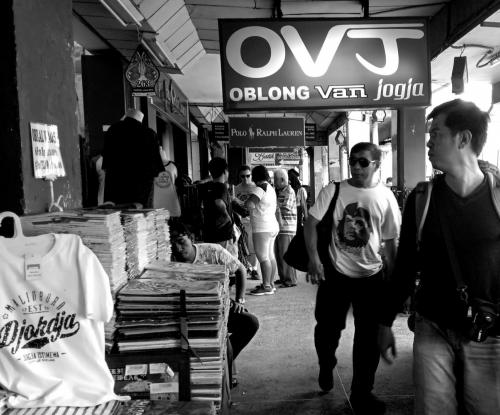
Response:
column 455, row 20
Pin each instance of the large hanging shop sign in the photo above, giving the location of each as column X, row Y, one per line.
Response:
column 327, row 63
column 170, row 99
column 266, row 132
column 47, row 160
column 142, row 74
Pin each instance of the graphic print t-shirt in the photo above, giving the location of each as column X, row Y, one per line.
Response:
column 216, row 254
column 362, row 218
column 52, row 328
column 243, row 192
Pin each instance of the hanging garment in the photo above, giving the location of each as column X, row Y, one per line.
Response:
column 164, row 191
column 53, row 308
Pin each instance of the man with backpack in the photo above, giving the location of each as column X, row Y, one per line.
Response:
column 450, row 241
column 217, row 209
column 361, row 214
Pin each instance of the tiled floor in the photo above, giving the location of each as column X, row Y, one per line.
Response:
column 277, row 372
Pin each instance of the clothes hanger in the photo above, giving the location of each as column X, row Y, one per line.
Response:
column 21, row 244
column 18, row 229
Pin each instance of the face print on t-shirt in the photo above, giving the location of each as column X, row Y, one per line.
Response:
column 163, row 179
column 354, row 228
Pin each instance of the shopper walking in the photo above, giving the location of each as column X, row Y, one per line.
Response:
column 366, row 213
column 456, row 348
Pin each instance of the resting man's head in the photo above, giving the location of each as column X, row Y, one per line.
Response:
column 456, row 135
column 183, row 249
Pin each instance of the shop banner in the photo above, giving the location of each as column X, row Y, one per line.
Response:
column 142, row 74
column 266, row 132
column 220, row 131
column 170, row 100
column 324, row 63
column 266, row 159
column 47, row 160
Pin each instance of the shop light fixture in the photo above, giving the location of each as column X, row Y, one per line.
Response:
column 378, row 115
column 490, row 59
column 123, row 11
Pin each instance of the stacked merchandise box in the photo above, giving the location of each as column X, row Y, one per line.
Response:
column 136, row 237
column 154, row 227
column 148, row 319
column 163, row 247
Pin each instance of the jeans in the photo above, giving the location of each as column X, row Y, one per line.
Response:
column 334, row 297
column 242, row 327
column 454, row 375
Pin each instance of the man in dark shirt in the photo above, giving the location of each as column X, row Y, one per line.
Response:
column 452, row 372
column 217, row 211
column 131, row 159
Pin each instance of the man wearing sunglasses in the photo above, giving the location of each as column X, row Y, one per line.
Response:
column 366, row 221
column 242, row 192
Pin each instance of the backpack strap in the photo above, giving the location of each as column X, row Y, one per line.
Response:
column 423, row 192
column 495, row 191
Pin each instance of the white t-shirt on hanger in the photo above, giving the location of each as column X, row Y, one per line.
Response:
column 52, row 327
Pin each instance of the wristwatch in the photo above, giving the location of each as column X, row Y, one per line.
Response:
column 240, row 300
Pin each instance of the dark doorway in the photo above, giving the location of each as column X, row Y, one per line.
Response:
column 180, row 150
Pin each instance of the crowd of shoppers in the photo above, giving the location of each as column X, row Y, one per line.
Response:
column 448, row 259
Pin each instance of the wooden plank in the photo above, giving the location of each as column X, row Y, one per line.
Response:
column 218, row 12
column 176, row 21
column 150, row 7
column 184, row 45
column 165, row 13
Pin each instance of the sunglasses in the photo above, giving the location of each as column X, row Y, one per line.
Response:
column 363, row 162
column 244, row 175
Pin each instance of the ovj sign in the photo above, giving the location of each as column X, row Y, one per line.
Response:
column 282, row 64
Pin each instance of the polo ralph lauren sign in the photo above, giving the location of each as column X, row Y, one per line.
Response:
column 297, row 63
column 266, row 132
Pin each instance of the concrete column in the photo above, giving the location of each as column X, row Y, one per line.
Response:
column 37, row 81
column 408, row 146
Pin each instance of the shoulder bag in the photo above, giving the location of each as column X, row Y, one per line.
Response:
column 296, row 254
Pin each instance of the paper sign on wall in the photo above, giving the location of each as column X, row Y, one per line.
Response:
column 47, row 160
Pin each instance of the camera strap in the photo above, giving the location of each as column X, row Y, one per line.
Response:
column 452, row 256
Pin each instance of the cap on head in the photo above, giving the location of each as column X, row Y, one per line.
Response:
column 135, row 114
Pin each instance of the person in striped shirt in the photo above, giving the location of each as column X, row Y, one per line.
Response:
column 287, row 219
